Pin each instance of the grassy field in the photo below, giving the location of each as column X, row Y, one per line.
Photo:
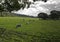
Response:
column 31, row 30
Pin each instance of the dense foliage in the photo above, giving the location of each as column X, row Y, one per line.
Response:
column 55, row 15
column 42, row 0
column 1, row 10
column 43, row 16
column 11, row 5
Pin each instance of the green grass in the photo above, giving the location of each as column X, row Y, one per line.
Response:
column 35, row 26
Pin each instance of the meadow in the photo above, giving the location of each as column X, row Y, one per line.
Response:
column 31, row 30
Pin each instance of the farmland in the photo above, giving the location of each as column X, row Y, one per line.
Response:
column 31, row 30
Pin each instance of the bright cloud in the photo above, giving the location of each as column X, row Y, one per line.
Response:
column 40, row 6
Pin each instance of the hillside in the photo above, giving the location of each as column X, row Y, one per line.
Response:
column 7, row 14
column 31, row 30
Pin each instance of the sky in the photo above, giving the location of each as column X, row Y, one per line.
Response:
column 39, row 7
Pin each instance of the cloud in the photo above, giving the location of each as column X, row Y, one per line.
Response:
column 40, row 6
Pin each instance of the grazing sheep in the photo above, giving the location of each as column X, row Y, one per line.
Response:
column 18, row 25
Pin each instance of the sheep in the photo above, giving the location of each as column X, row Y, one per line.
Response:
column 18, row 25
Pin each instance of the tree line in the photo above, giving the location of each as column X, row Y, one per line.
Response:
column 55, row 15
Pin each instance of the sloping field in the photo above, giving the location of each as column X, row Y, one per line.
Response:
column 30, row 30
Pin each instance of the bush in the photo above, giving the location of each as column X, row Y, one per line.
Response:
column 55, row 14
column 43, row 16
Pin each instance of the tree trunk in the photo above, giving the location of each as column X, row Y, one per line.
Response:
column 1, row 14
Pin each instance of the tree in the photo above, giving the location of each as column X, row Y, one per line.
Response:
column 54, row 14
column 43, row 16
column 28, row 3
column 1, row 9
column 34, row 0
column 11, row 5
column 44, row 0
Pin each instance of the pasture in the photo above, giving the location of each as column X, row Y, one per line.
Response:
column 31, row 30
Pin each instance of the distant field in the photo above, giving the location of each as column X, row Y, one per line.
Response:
column 32, row 29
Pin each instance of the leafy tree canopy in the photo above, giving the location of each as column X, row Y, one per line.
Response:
column 11, row 5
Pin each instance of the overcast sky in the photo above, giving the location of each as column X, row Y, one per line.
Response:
column 40, row 6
